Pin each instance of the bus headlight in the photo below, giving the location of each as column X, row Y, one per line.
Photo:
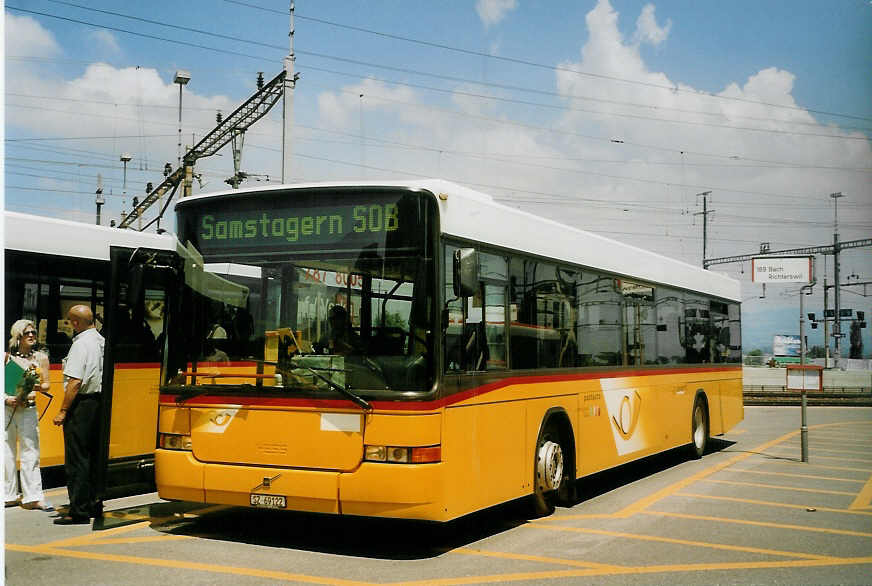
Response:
column 403, row 455
column 172, row 441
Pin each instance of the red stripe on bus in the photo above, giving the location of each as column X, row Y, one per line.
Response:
column 167, row 398
column 118, row 365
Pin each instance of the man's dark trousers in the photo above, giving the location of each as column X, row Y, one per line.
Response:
column 81, row 430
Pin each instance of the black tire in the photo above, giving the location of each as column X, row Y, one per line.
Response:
column 548, row 472
column 699, row 428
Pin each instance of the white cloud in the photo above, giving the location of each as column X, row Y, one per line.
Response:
column 488, row 144
column 105, row 41
column 492, row 12
column 132, row 108
column 647, row 30
column 681, row 163
column 344, row 108
column 26, row 37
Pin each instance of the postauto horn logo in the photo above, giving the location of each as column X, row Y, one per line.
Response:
column 627, row 417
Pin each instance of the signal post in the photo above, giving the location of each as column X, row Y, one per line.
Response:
column 793, row 269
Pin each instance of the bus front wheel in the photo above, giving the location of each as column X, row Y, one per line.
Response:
column 548, row 474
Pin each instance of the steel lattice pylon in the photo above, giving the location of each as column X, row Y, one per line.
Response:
column 240, row 120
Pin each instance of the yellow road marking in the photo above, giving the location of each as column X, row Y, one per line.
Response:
column 89, row 538
column 767, row 503
column 598, row 571
column 864, row 499
column 838, row 442
column 835, row 433
column 822, row 466
column 818, row 457
column 815, row 448
column 758, row 523
column 778, row 487
column 184, row 565
column 532, row 558
column 635, row 570
column 661, row 539
column 646, row 502
column 146, row 539
column 842, row 437
column 590, row 569
column 812, row 563
column 649, row 500
column 791, row 475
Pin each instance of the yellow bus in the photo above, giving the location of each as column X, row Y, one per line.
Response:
column 51, row 265
column 487, row 355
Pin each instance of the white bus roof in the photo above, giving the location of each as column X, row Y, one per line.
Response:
column 45, row 235
column 473, row 215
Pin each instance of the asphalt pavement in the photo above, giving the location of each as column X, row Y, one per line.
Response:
column 748, row 512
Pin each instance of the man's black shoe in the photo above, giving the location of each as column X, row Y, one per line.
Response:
column 66, row 520
column 97, row 510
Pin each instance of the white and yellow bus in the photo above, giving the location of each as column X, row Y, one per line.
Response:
column 492, row 354
column 51, row 265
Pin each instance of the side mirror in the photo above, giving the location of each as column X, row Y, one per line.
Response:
column 465, row 272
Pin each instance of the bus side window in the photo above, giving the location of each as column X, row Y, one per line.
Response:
column 475, row 326
column 475, row 353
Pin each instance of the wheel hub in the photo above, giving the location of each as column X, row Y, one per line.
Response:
column 549, row 466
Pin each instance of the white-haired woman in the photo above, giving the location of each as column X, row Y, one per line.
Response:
column 22, row 425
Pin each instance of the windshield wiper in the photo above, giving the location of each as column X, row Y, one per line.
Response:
column 357, row 399
column 363, row 403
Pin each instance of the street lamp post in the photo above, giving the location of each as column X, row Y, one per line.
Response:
column 182, row 78
column 837, row 321
column 100, row 200
column 125, row 158
column 704, row 213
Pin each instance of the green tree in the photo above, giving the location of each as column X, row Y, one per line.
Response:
column 754, row 357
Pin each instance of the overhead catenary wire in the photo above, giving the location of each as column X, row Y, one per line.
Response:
column 518, row 61
column 555, row 198
column 760, row 163
column 589, row 137
column 573, row 97
column 475, row 53
column 659, row 182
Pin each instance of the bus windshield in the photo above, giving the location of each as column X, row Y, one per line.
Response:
column 320, row 293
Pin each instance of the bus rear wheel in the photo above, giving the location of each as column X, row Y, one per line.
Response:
column 699, row 430
column 548, row 474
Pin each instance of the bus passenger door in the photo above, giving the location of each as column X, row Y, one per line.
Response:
column 134, row 330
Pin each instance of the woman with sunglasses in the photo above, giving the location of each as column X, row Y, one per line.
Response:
column 22, row 425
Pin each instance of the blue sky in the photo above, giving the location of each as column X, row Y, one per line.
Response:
column 769, row 111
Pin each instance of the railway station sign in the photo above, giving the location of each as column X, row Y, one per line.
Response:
column 782, row 269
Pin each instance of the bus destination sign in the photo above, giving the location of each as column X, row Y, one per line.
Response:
column 297, row 226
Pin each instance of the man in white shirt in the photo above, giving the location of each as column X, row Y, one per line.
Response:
column 83, row 383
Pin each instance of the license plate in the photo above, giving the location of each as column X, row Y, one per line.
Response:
column 269, row 501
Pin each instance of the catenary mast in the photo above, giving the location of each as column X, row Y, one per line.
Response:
column 288, row 102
